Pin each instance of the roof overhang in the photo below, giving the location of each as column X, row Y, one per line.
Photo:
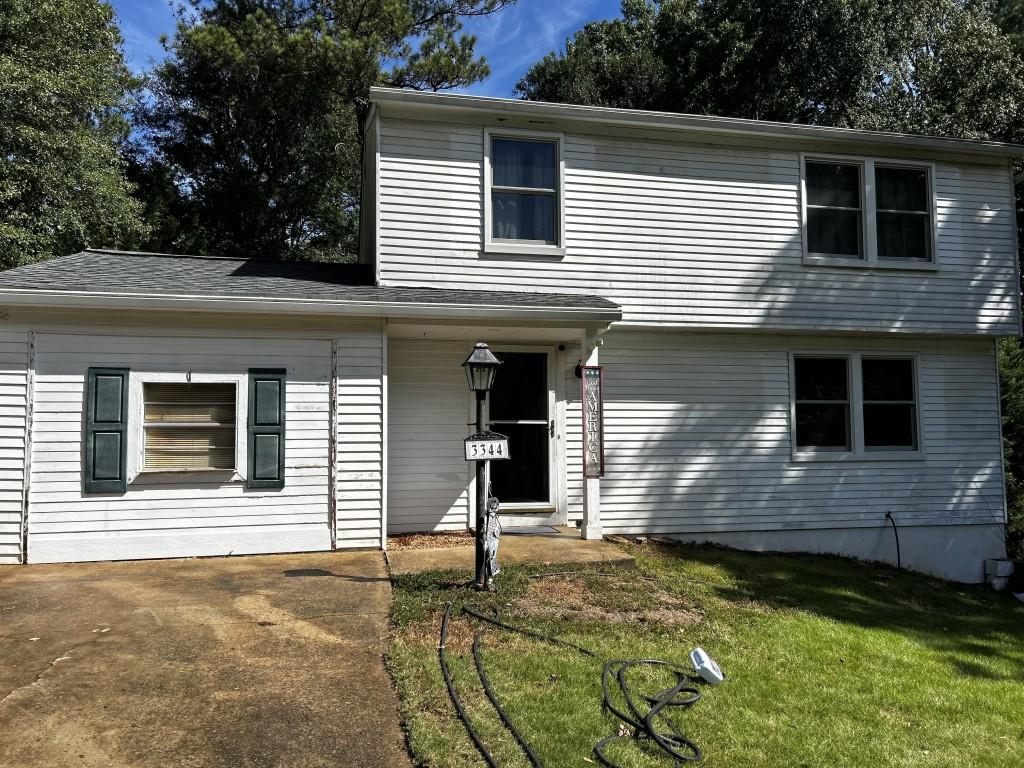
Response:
column 396, row 100
column 569, row 316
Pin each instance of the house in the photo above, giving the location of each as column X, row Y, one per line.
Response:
column 796, row 327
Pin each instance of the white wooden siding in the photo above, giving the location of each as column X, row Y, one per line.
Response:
column 13, row 400
column 360, row 430
column 175, row 516
column 428, row 413
column 693, row 235
column 698, row 439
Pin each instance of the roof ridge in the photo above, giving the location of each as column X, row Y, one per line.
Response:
column 120, row 252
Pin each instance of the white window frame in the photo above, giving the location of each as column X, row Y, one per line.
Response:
column 523, row 247
column 858, row 452
column 137, row 424
column 869, row 230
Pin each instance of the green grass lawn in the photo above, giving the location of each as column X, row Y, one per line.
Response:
column 829, row 662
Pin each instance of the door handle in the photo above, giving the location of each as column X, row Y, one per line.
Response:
column 551, row 428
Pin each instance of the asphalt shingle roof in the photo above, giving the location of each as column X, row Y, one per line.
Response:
column 151, row 274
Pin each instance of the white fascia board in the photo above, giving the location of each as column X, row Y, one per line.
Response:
column 598, row 316
column 703, row 124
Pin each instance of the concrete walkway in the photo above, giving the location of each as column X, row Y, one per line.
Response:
column 240, row 662
column 561, row 545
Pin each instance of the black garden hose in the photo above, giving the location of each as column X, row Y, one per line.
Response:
column 896, row 532
column 643, row 718
column 673, row 744
column 485, row 681
column 496, row 621
column 450, row 685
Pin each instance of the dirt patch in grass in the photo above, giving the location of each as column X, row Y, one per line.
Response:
column 442, row 540
column 611, row 600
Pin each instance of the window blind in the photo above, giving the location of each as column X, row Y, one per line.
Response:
column 189, row 426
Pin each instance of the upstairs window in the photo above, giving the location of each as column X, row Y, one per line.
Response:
column 868, row 212
column 189, row 426
column 835, row 219
column 524, row 206
column 902, row 216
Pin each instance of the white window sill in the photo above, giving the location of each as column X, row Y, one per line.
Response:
column 866, row 456
column 892, row 264
column 523, row 249
column 156, row 476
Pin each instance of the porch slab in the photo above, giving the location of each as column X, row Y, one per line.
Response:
column 561, row 545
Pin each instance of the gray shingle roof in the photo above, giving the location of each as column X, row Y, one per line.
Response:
column 163, row 275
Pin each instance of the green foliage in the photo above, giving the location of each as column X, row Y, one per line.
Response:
column 924, row 66
column 1011, row 385
column 63, row 89
column 255, row 117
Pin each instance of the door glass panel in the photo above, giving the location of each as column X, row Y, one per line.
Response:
column 524, row 477
column 519, row 409
column 520, row 387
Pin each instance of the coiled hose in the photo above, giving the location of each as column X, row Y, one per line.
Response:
column 641, row 717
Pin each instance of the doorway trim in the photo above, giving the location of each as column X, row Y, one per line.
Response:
column 554, row 512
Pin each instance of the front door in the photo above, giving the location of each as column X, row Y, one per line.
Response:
column 521, row 407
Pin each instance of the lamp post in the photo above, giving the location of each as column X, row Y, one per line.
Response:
column 481, row 367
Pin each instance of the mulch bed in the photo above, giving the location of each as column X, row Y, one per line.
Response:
column 441, row 540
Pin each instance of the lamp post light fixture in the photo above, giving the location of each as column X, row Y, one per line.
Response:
column 481, row 367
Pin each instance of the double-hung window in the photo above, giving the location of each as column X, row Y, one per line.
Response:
column 524, row 205
column 189, row 426
column 868, row 212
column 855, row 404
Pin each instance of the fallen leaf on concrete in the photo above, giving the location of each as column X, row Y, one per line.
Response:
column 33, row 639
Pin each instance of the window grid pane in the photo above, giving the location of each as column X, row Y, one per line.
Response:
column 822, row 403
column 890, row 404
column 189, row 426
column 834, row 216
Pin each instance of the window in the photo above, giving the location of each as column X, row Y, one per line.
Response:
column 890, row 404
column 834, row 216
column 524, row 183
column 189, row 426
column 867, row 211
column 822, row 387
column 858, row 405
column 902, row 218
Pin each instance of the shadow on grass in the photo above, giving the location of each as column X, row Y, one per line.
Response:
column 980, row 633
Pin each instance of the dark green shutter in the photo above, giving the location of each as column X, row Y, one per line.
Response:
column 266, row 428
column 106, row 430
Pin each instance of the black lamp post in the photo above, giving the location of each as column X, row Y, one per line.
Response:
column 481, row 367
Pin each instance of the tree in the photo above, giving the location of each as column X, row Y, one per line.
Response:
column 1011, row 387
column 925, row 66
column 63, row 91
column 256, row 115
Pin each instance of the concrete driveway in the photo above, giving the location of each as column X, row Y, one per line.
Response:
column 255, row 661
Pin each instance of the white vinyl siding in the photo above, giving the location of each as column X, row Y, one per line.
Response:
column 184, row 515
column 428, row 415
column 698, row 439
column 13, row 409
column 693, row 235
column 360, row 428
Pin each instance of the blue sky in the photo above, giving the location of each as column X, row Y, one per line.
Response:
column 511, row 40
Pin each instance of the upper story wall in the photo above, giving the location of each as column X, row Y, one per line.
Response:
column 692, row 234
